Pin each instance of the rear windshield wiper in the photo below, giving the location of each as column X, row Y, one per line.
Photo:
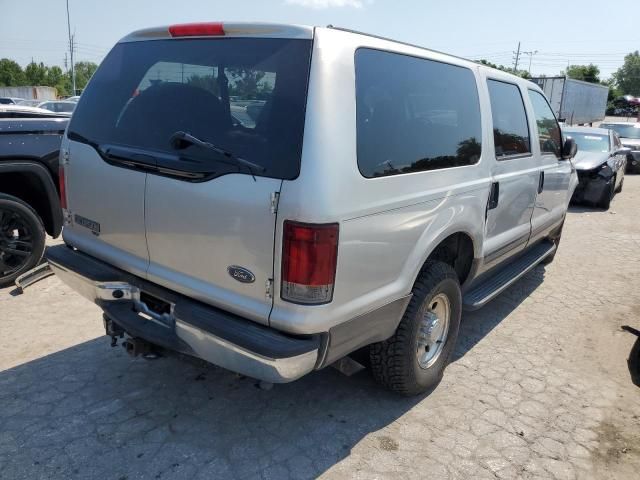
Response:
column 181, row 140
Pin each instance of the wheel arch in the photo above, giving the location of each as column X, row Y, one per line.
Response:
column 457, row 249
column 32, row 183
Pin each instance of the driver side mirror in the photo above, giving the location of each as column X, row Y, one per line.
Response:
column 569, row 149
column 622, row 151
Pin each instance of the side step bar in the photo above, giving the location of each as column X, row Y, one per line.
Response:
column 498, row 282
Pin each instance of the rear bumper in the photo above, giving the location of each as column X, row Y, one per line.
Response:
column 189, row 327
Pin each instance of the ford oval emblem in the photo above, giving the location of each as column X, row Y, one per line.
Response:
column 241, row 274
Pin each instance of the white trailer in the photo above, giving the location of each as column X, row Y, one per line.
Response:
column 574, row 101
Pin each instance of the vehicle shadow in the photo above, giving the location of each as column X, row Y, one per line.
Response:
column 476, row 325
column 634, row 356
column 585, row 208
column 93, row 412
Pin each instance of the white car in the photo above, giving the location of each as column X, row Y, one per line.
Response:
column 59, row 106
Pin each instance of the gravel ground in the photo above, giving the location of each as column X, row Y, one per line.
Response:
column 539, row 388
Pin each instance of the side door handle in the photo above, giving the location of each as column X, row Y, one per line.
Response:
column 541, row 182
column 494, row 193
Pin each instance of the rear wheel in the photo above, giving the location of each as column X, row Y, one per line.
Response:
column 22, row 239
column 413, row 360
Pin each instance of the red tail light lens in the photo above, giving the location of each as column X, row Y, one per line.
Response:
column 62, row 184
column 196, row 30
column 309, row 259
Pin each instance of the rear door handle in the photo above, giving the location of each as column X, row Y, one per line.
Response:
column 541, row 182
column 494, row 193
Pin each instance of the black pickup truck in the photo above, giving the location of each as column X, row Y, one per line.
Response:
column 29, row 197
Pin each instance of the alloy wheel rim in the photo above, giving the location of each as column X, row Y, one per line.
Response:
column 433, row 330
column 16, row 242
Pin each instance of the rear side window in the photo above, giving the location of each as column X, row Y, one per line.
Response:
column 510, row 128
column 548, row 129
column 246, row 96
column 414, row 114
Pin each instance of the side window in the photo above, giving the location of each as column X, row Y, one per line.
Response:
column 414, row 114
column 548, row 129
column 510, row 128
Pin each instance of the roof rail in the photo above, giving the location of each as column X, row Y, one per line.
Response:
column 379, row 37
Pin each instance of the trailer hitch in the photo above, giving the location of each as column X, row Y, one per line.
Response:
column 112, row 329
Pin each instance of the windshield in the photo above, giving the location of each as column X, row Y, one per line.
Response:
column 243, row 95
column 624, row 131
column 590, row 142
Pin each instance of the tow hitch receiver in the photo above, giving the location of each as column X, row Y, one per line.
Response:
column 137, row 346
column 112, row 329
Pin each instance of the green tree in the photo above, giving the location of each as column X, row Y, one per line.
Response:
column 247, row 83
column 11, row 74
column 586, row 73
column 520, row 73
column 206, row 82
column 54, row 76
column 84, row 72
column 627, row 77
column 35, row 74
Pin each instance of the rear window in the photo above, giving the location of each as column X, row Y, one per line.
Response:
column 245, row 96
column 414, row 114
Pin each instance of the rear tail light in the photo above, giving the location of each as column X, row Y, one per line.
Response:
column 62, row 184
column 309, row 259
column 196, row 30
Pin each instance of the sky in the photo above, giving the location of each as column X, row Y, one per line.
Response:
column 561, row 32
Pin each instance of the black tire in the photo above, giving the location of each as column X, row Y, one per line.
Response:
column 607, row 195
column 394, row 362
column 619, row 189
column 18, row 217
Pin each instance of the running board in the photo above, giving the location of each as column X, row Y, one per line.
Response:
column 32, row 276
column 506, row 276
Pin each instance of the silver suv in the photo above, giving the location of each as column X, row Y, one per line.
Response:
column 272, row 198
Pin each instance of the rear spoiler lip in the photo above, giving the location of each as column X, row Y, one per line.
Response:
column 231, row 29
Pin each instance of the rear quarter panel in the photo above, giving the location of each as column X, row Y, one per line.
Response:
column 389, row 225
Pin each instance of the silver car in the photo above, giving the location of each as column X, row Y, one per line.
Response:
column 378, row 190
column 629, row 133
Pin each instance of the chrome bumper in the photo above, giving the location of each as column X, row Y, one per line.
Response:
column 120, row 298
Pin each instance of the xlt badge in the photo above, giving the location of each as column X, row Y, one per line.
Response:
column 85, row 222
column 241, row 274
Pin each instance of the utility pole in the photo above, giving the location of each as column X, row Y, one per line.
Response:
column 531, row 54
column 516, row 59
column 66, row 63
column 71, row 48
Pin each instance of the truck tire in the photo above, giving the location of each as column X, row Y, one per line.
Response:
column 22, row 239
column 413, row 360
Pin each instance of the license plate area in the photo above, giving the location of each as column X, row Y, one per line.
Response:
column 155, row 309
